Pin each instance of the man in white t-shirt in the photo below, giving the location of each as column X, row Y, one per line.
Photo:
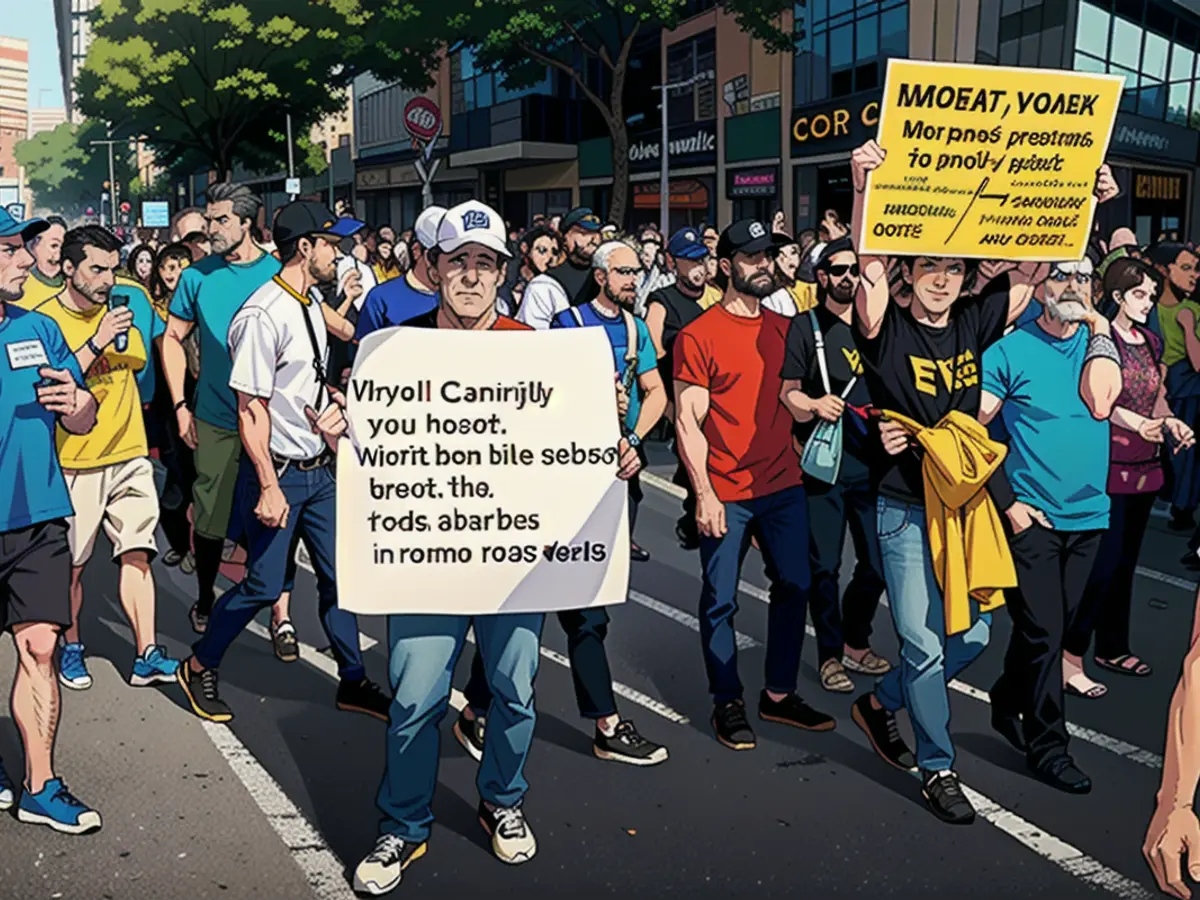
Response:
column 289, row 420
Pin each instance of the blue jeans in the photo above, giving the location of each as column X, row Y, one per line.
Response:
column 780, row 521
column 270, row 556
column 424, row 650
column 928, row 658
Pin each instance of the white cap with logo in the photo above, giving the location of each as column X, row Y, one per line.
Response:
column 472, row 223
column 426, row 228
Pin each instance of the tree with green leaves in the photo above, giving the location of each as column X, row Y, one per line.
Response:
column 522, row 38
column 217, row 78
column 65, row 172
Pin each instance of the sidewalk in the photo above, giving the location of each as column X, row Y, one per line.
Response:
column 177, row 821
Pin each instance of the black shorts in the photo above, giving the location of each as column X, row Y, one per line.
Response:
column 35, row 575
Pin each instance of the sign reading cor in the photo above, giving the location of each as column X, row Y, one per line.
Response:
column 834, row 126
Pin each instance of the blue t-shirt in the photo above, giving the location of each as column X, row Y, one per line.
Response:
column 33, row 487
column 647, row 358
column 1057, row 453
column 391, row 303
column 210, row 293
column 148, row 322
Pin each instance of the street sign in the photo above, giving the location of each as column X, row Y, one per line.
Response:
column 16, row 210
column 293, row 186
column 423, row 119
column 156, row 214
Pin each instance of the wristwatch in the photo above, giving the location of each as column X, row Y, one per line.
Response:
column 91, row 345
column 180, row 405
column 633, row 440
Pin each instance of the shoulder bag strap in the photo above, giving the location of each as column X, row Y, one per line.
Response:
column 822, row 362
column 577, row 315
column 318, row 364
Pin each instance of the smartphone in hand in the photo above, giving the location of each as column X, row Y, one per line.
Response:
column 119, row 301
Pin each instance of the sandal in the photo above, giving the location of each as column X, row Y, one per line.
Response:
column 870, row 664
column 834, row 677
column 1125, row 664
column 1095, row 692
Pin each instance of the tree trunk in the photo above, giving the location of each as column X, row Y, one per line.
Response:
column 619, row 204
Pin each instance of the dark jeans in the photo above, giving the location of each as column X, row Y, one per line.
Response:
column 176, row 457
column 1109, row 591
column 1052, row 571
column 311, row 497
column 586, row 630
column 1185, row 465
column 780, row 521
column 831, row 508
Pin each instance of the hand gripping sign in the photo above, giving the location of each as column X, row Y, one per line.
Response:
column 480, row 474
column 987, row 162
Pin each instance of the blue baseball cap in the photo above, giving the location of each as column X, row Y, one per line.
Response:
column 687, row 243
column 28, row 229
column 581, row 217
column 345, row 227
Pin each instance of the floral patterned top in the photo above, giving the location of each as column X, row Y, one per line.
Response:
column 1135, row 466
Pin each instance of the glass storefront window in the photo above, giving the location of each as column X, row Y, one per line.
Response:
column 1177, row 103
column 1126, row 42
column 1091, row 33
column 842, row 45
column 1154, row 57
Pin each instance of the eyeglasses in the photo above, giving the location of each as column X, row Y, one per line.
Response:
column 840, row 270
column 628, row 271
column 1080, row 277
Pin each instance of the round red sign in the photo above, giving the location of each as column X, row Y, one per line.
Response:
column 422, row 118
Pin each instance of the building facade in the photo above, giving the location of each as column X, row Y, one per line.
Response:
column 46, row 118
column 14, row 116
column 74, row 37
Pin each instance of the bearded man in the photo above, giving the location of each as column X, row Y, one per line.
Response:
column 1054, row 382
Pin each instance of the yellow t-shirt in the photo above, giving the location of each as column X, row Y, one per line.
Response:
column 712, row 295
column 120, row 431
column 38, row 290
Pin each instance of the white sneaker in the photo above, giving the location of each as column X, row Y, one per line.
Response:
column 512, row 838
column 383, row 867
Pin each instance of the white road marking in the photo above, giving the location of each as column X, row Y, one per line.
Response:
column 1106, row 742
column 1070, row 859
column 321, row 867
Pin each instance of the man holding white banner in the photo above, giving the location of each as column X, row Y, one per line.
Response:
column 469, row 261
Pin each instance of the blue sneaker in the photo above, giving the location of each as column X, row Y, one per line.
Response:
column 153, row 667
column 6, row 790
column 72, row 670
column 57, row 807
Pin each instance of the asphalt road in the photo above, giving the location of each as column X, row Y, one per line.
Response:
column 281, row 803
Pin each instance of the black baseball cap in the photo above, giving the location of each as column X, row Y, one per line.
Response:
column 304, row 218
column 840, row 245
column 749, row 236
column 581, row 217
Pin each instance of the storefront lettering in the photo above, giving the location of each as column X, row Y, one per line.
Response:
column 700, row 142
column 1143, row 140
column 1158, row 187
column 833, row 124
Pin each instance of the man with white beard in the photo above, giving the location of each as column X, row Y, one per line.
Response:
column 1054, row 382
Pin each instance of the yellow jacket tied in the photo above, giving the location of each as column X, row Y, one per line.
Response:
column 967, row 543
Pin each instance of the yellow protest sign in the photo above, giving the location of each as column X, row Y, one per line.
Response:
column 987, row 162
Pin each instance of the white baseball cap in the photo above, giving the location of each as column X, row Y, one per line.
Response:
column 472, row 223
column 426, row 228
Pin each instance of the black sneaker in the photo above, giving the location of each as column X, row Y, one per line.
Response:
column 469, row 733
column 791, row 710
column 202, row 693
column 1061, row 772
column 627, row 746
column 638, row 554
column 879, row 726
column 944, row 796
column 283, row 641
column 199, row 619
column 365, row 697
column 1181, row 521
column 731, row 726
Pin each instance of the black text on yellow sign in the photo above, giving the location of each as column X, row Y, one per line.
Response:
column 987, row 162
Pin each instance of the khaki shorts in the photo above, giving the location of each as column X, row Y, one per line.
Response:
column 122, row 500
column 218, row 453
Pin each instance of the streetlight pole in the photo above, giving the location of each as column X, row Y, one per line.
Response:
column 664, row 191
column 112, row 181
column 291, row 160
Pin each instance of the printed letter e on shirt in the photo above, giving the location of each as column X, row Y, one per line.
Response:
column 956, row 374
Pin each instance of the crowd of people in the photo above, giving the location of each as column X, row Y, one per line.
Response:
column 990, row 434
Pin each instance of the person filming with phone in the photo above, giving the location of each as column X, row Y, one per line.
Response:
column 108, row 472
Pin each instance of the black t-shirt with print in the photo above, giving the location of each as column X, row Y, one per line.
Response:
column 681, row 310
column 844, row 362
column 924, row 373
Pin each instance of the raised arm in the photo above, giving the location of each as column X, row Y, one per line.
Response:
column 1174, row 831
column 1100, row 383
column 871, row 302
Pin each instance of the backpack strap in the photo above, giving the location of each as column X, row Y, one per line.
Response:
column 577, row 315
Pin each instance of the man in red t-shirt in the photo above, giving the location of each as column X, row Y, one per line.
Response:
column 735, row 439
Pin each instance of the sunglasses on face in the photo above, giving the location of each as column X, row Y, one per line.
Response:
column 840, row 270
column 628, row 271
